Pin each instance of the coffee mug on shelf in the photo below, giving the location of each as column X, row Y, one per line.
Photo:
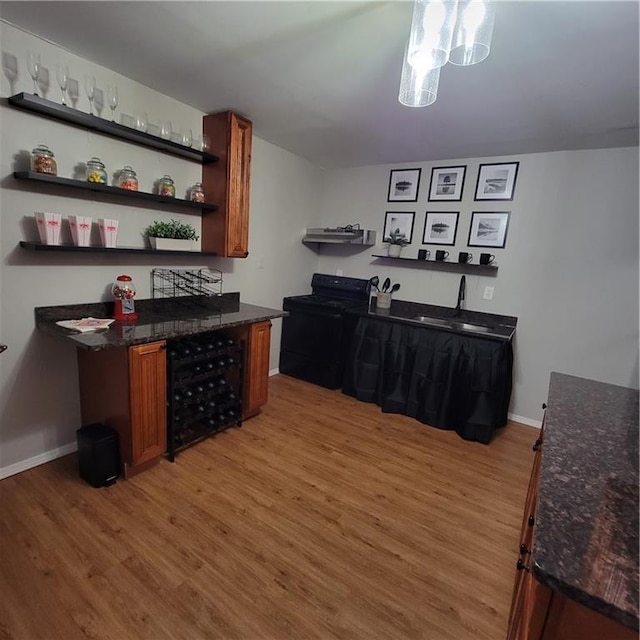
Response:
column 465, row 256
column 486, row 258
column 423, row 254
column 441, row 255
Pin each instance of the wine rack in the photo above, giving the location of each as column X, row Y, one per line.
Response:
column 204, row 388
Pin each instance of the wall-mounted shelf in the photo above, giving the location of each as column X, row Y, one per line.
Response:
column 36, row 104
column 70, row 248
column 460, row 267
column 43, row 178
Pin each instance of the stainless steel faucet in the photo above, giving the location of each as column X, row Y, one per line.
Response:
column 461, row 293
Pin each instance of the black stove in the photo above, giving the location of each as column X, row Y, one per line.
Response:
column 316, row 334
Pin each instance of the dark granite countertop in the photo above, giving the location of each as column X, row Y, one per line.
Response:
column 470, row 323
column 586, row 535
column 157, row 320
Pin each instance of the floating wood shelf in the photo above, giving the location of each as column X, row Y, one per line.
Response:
column 70, row 248
column 36, row 104
column 460, row 267
column 44, row 178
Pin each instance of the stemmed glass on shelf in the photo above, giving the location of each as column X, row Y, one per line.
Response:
column 112, row 100
column 62, row 74
column 33, row 64
column 90, row 90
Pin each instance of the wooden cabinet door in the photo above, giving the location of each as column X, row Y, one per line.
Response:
column 239, row 175
column 520, row 588
column 227, row 183
column 257, row 370
column 148, row 401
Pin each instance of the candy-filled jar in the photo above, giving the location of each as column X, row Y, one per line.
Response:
column 166, row 187
column 124, row 291
column 127, row 178
column 96, row 171
column 196, row 193
column 43, row 160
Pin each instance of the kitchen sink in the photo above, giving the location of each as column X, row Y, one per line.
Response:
column 454, row 325
column 474, row 328
column 439, row 322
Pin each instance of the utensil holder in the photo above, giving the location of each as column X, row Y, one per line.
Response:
column 383, row 301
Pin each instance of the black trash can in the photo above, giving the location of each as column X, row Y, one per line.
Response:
column 98, row 454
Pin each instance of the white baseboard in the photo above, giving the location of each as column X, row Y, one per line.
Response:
column 527, row 421
column 274, row 372
column 41, row 458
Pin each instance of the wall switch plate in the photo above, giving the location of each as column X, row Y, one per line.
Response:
column 338, row 272
column 488, row 293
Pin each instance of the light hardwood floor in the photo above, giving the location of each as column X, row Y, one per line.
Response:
column 320, row 518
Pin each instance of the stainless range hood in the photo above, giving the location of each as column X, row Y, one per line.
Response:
column 351, row 234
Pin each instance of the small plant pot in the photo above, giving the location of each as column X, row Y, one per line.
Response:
column 173, row 244
column 394, row 250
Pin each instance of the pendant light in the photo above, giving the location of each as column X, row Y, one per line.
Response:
column 418, row 86
column 472, row 36
column 456, row 31
column 431, row 32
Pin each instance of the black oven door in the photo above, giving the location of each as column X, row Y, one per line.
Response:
column 311, row 347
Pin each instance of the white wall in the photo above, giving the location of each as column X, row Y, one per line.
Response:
column 569, row 270
column 39, row 407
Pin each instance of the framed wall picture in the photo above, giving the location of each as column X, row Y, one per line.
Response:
column 446, row 183
column 404, row 185
column 489, row 229
column 497, row 181
column 440, row 227
column 400, row 222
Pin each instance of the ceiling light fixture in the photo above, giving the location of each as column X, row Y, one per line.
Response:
column 458, row 31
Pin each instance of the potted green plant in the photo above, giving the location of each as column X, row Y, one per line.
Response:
column 396, row 241
column 172, row 236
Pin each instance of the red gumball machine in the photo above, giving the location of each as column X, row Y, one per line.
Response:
column 124, row 291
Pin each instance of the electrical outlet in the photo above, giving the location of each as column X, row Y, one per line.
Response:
column 338, row 272
column 488, row 293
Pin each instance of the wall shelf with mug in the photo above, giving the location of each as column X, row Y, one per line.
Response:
column 442, row 265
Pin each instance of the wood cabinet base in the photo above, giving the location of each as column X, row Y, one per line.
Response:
column 125, row 389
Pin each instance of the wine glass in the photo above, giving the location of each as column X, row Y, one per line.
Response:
column 90, row 90
column 112, row 101
column 187, row 137
column 62, row 73
column 141, row 121
column 165, row 129
column 33, row 63
column 206, row 142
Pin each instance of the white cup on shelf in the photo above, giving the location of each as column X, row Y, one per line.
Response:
column 108, row 232
column 49, row 226
column 80, row 230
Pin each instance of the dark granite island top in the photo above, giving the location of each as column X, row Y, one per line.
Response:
column 157, row 320
column 586, row 535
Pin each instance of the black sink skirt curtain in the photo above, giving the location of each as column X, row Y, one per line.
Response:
column 442, row 379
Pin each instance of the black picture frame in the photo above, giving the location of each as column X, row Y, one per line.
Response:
column 447, row 183
column 404, row 185
column 489, row 229
column 496, row 181
column 402, row 220
column 440, row 228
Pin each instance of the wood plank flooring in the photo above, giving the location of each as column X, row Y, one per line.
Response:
column 320, row 518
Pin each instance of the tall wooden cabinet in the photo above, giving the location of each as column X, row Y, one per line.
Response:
column 126, row 389
column 227, row 182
